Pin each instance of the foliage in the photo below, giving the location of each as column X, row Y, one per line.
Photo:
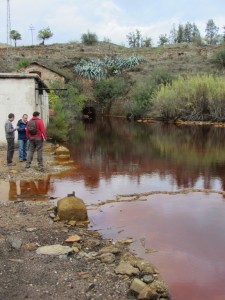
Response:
column 97, row 69
column 24, row 62
column 15, row 35
column 44, row 34
column 191, row 98
column 67, row 105
column 141, row 96
column 58, row 126
column 219, row 59
column 89, row 38
column 135, row 40
column 211, row 32
column 107, row 90
column 163, row 40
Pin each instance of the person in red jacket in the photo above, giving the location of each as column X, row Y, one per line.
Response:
column 36, row 133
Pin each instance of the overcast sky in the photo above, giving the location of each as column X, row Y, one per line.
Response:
column 111, row 19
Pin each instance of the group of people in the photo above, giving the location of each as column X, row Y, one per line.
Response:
column 31, row 135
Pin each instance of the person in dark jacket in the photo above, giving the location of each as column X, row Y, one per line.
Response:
column 10, row 137
column 36, row 141
column 22, row 138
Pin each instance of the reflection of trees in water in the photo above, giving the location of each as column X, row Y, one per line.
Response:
column 113, row 146
column 29, row 189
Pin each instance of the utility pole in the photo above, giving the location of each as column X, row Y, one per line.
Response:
column 31, row 30
column 8, row 23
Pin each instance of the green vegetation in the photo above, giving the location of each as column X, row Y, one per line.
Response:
column 15, row 35
column 67, row 106
column 106, row 91
column 191, row 98
column 44, row 34
column 97, row 69
column 219, row 59
column 89, row 38
column 24, row 62
column 141, row 95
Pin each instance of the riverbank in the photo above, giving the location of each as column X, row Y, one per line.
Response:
column 92, row 268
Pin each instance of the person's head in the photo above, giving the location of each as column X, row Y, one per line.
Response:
column 25, row 117
column 36, row 114
column 11, row 116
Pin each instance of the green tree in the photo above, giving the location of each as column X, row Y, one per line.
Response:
column 135, row 40
column 15, row 35
column 163, row 40
column 89, row 38
column 173, row 35
column 211, row 32
column 44, row 34
column 180, row 34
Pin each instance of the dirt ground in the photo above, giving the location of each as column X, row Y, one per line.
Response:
column 25, row 226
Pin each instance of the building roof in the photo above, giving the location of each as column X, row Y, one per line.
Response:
column 41, row 84
column 47, row 68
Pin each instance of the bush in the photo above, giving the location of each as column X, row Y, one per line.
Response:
column 191, row 98
column 219, row 59
column 107, row 90
column 89, row 38
column 24, row 62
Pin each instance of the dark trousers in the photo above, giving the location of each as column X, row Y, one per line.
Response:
column 35, row 144
column 10, row 149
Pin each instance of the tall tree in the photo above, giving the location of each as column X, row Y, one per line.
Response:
column 180, row 34
column 173, row 35
column 163, row 40
column 14, row 35
column 211, row 32
column 44, row 34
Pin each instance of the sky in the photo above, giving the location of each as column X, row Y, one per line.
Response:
column 109, row 19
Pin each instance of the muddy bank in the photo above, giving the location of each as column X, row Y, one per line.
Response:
column 93, row 268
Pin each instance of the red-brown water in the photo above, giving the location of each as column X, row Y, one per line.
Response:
column 186, row 230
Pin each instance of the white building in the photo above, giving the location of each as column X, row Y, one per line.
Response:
column 22, row 94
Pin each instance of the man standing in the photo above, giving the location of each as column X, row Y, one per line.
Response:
column 10, row 137
column 22, row 138
column 36, row 133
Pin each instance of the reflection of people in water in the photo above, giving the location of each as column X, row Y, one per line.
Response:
column 29, row 189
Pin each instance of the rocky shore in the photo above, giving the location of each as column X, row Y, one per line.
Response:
column 42, row 258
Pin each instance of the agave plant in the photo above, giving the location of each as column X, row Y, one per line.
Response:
column 96, row 69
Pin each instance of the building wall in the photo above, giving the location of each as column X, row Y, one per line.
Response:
column 45, row 74
column 18, row 96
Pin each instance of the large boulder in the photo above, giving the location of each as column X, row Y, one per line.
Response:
column 72, row 208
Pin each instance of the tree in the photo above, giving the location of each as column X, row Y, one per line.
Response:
column 163, row 39
column 89, row 38
column 180, row 34
column 173, row 35
column 135, row 40
column 44, row 34
column 211, row 32
column 15, row 35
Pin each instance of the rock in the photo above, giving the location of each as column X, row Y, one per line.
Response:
column 52, row 215
column 32, row 229
column 72, row 208
column 72, row 223
column 107, row 258
column 148, row 294
column 73, row 239
column 148, row 278
column 61, row 150
column 159, row 286
column 54, row 250
column 15, row 242
column 125, row 268
column 126, row 241
column 145, row 267
column 137, row 286
column 110, row 249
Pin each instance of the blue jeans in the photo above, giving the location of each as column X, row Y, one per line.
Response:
column 23, row 146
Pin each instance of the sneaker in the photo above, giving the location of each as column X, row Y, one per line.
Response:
column 24, row 159
column 27, row 167
column 11, row 164
column 20, row 160
column 41, row 169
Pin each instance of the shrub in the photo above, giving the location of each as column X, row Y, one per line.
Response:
column 89, row 38
column 24, row 62
column 191, row 98
column 107, row 90
column 219, row 59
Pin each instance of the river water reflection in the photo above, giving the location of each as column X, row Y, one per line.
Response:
column 182, row 234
